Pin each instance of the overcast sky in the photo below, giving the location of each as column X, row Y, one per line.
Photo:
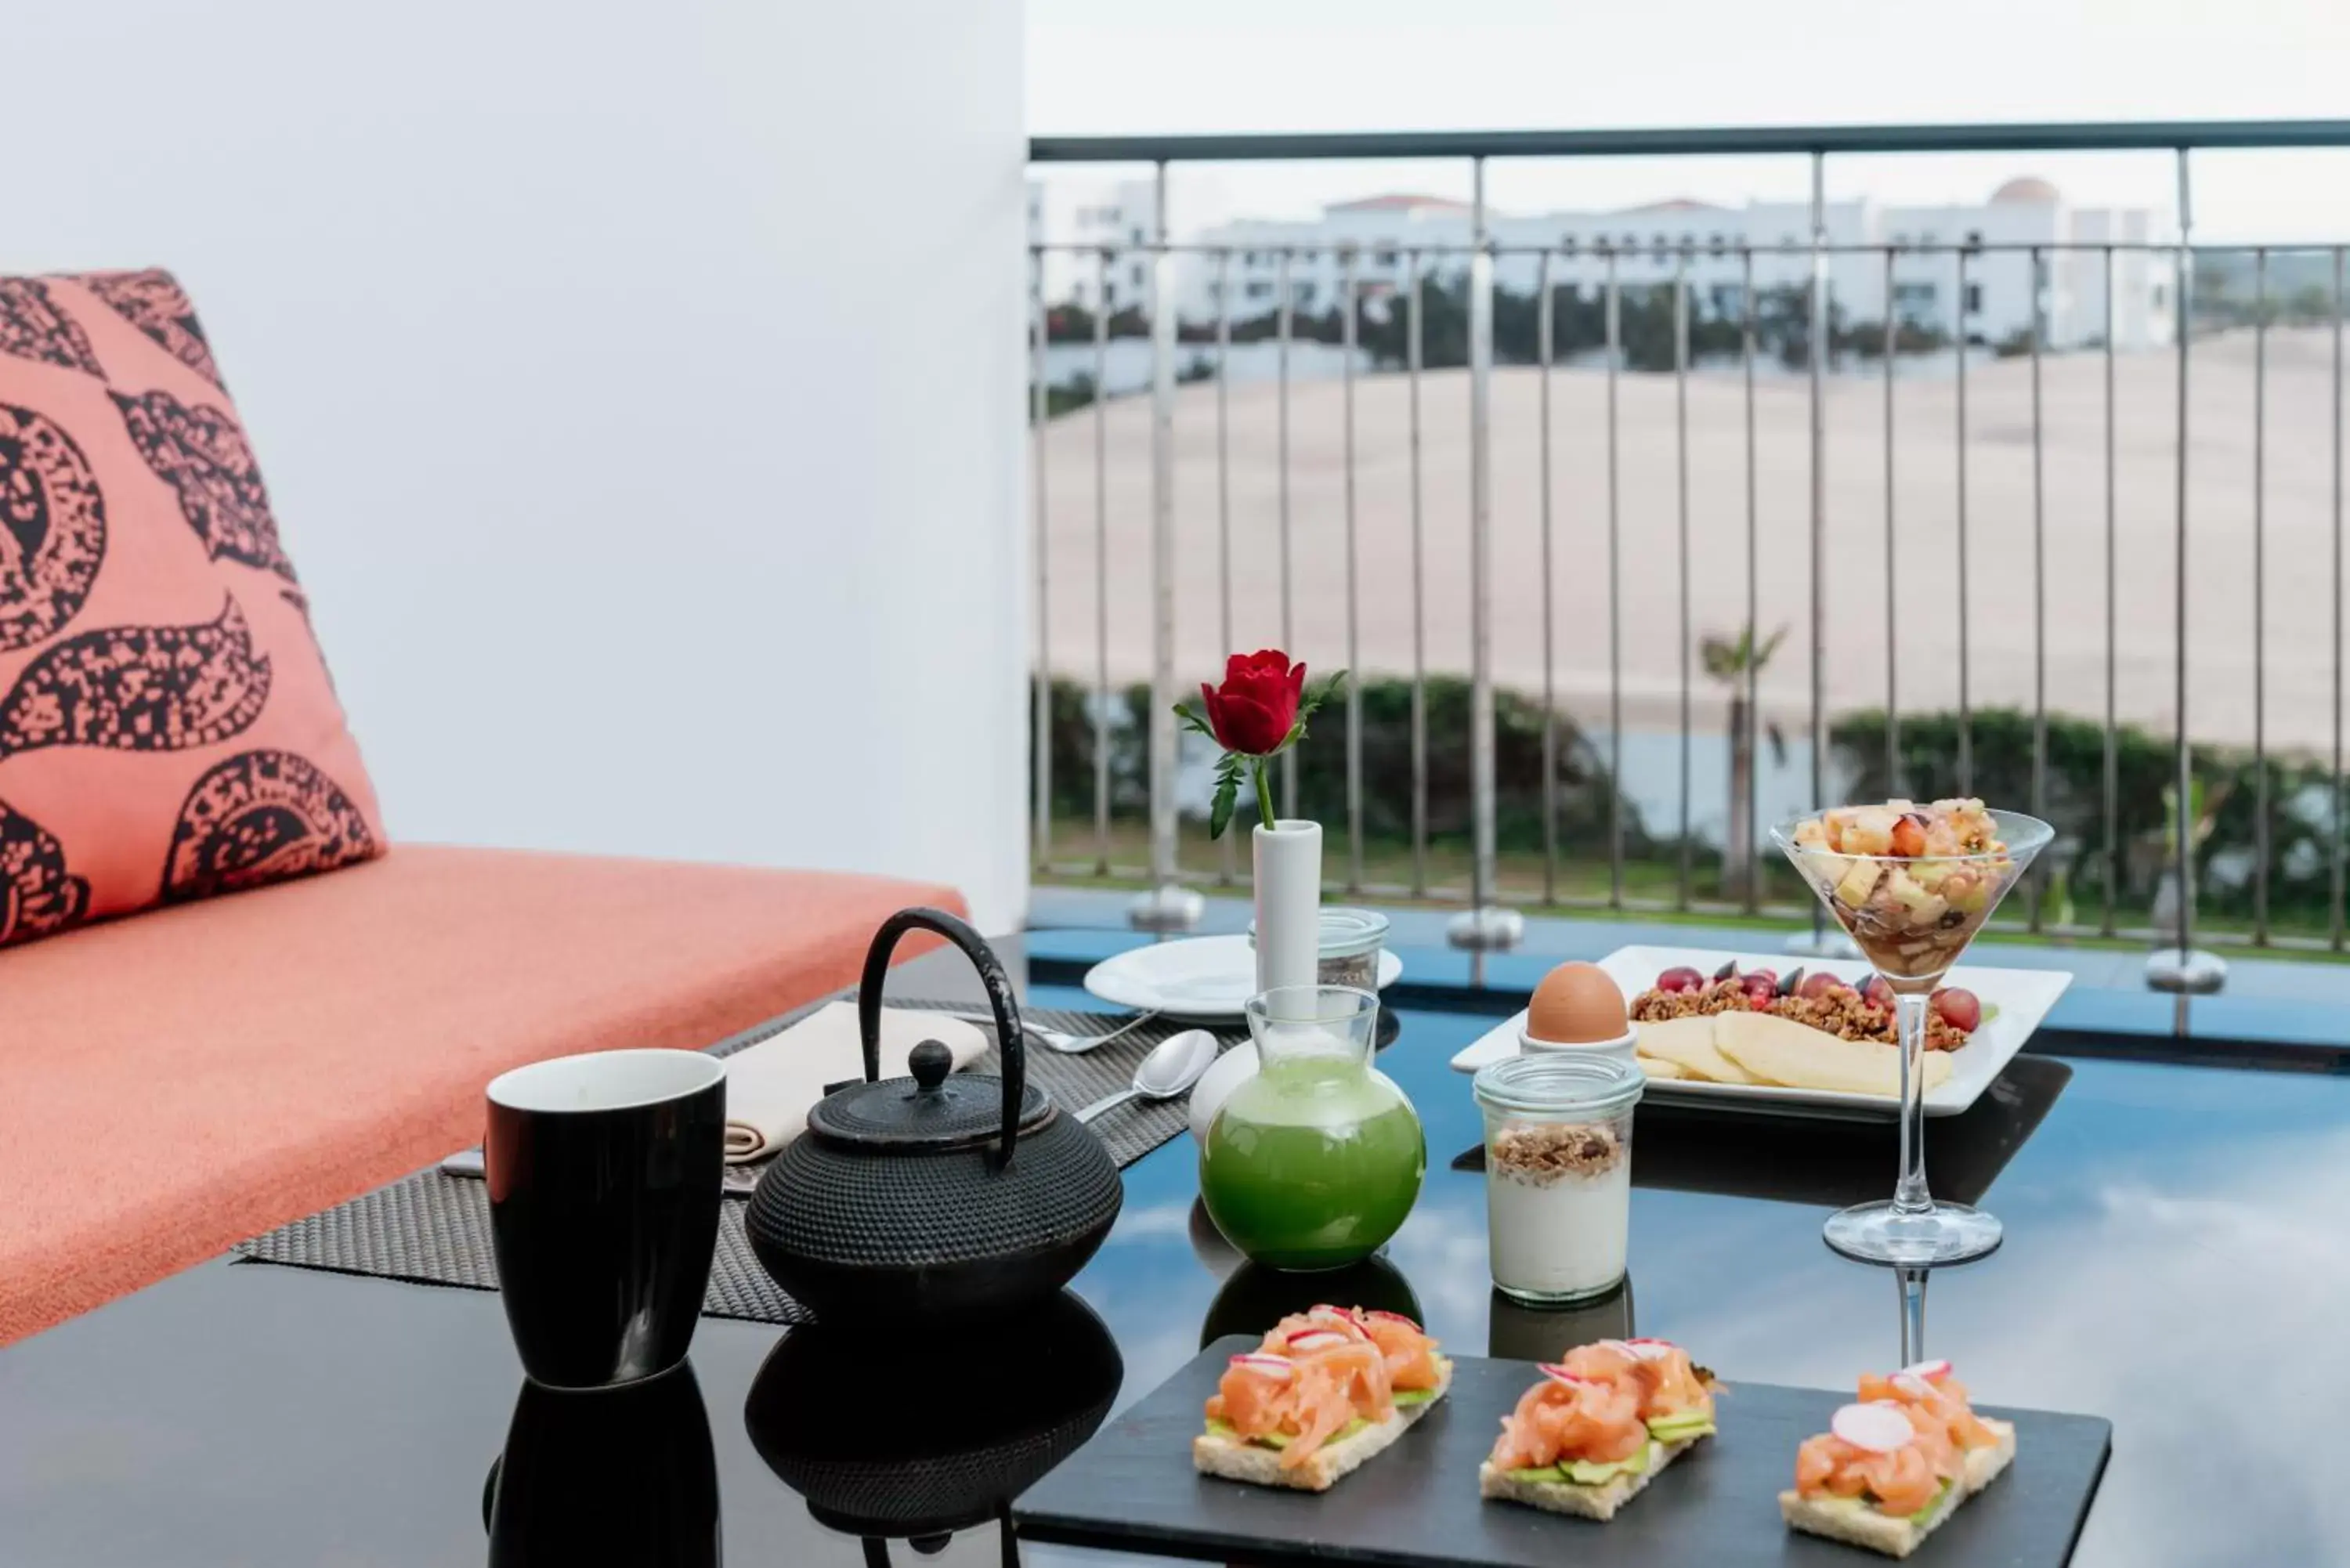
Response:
column 1106, row 66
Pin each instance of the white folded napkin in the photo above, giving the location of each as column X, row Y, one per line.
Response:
column 771, row 1086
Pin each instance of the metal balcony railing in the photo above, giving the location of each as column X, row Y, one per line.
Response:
column 1486, row 922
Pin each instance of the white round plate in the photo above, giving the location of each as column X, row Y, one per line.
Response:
column 1208, row 978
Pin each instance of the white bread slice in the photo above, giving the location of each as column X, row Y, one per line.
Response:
column 1235, row 1459
column 1899, row 1537
column 1983, row 1465
column 1599, row 1502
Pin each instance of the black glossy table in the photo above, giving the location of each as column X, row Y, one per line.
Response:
column 2178, row 1260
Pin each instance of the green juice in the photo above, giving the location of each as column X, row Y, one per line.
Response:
column 1312, row 1163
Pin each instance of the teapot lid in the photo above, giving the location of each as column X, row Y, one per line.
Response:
column 936, row 1109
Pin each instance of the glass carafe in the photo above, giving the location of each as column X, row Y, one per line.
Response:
column 1314, row 1161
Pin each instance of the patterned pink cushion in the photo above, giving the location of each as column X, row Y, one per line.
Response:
column 168, row 730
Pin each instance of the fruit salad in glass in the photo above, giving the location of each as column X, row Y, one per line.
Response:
column 1913, row 884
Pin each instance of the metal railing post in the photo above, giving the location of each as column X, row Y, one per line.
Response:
column 1819, row 940
column 1039, row 413
column 1101, row 564
column 2261, row 831
column 2112, row 794
column 1614, row 338
column 2334, row 894
column 1545, row 328
column 1484, row 926
column 1169, row 906
column 1415, row 350
column 1228, row 844
column 1751, row 874
column 1348, row 334
column 2041, row 276
column 1284, row 324
column 1966, row 706
column 2180, row 967
column 1892, row 577
column 1682, row 551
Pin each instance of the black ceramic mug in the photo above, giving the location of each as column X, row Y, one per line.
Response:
column 603, row 1173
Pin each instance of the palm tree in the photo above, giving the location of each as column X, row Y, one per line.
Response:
column 1734, row 662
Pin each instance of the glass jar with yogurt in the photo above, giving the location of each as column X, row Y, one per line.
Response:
column 1558, row 1173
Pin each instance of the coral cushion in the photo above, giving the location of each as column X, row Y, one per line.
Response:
column 167, row 727
column 179, row 1082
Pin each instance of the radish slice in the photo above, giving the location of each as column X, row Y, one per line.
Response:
column 1315, row 1339
column 1393, row 1317
column 1270, row 1366
column 1339, row 1319
column 1560, row 1375
column 1649, row 1349
column 1909, row 1383
column 1878, row 1429
column 1931, row 1371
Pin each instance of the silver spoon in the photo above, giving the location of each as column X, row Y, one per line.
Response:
column 1055, row 1040
column 1174, row 1064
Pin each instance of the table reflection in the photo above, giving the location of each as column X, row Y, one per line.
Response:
column 623, row 1476
column 856, row 1424
column 1516, row 1332
column 1255, row 1297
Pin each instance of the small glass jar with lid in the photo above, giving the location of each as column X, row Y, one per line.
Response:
column 1351, row 943
column 1558, row 1173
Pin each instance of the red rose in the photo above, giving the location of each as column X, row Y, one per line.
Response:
column 1255, row 710
column 1260, row 708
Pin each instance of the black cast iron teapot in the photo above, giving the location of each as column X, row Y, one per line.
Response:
column 941, row 1194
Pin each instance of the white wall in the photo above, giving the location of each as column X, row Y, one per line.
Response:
column 639, row 388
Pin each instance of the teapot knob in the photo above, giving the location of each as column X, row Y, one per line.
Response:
column 931, row 1061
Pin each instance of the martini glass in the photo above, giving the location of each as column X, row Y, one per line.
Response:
column 1912, row 919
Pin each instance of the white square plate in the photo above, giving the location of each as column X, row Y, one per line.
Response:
column 2020, row 996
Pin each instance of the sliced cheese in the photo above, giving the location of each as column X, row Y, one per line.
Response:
column 1688, row 1043
column 1777, row 1050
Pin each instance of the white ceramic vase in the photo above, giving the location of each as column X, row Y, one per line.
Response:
column 1288, row 857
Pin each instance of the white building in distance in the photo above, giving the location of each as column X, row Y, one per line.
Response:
column 1097, row 234
column 1240, row 264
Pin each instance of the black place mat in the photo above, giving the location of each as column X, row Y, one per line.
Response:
column 434, row 1230
column 1416, row 1505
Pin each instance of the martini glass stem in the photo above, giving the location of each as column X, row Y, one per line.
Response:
column 1910, row 1196
column 1913, row 1316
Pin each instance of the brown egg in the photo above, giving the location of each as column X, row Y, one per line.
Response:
column 1577, row 1004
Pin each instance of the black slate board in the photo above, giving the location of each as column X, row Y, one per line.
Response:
column 1416, row 1505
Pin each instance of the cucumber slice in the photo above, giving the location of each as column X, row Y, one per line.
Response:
column 1543, row 1473
column 1407, row 1397
column 1926, row 1512
column 1588, row 1472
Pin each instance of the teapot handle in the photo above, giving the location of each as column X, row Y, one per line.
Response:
column 1010, row 1043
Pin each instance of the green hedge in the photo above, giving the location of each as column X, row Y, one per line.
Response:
column 2300, row 803
column 1584, row 786
column 2300, row 793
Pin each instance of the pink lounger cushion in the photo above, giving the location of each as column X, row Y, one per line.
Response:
column 184, row 1080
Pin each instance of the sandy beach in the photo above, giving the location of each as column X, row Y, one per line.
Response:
column 1653, row 629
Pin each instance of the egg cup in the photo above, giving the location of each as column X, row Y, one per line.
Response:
column 1624, row 1048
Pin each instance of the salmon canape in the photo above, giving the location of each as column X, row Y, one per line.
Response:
column 1599, row 1427
column 1891, row 1467
column 1328, row 1389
